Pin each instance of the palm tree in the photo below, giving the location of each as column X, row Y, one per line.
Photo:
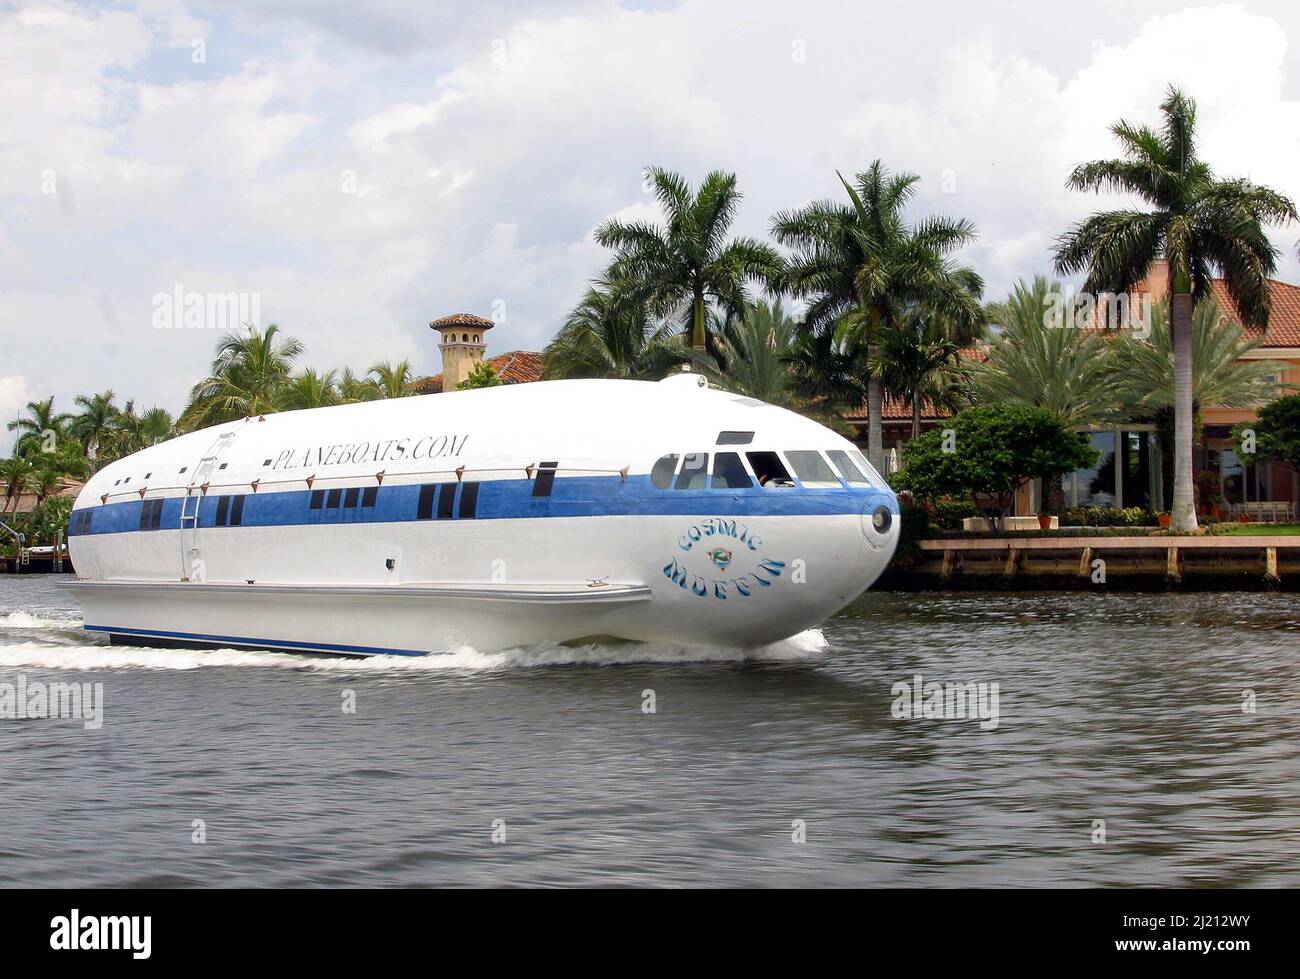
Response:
column 610, row 334
column 861, row 266
column 752, row 355
column 1220, row 376
column 393, row 380
column 352, row 388
column 46, row 483
column 688, row 265
column 920, row 362
column 825, row 377
column 310, row 389
column 248, row 378
column 40, row 419
column 95, row 422
column 1199, row 223
column 16, row 474
column 1070, row 372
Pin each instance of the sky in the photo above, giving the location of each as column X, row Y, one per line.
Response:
column 353, row 171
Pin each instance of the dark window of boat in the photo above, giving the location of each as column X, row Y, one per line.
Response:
column 151, row 516
column 729, row 472
column 735, row 438
column 352, row 497
column 769, row 470
column 369, row 495
column 695, row 472
column 223, row 510
column 425, row 510
column 334, row 499
column 847, row 467
column 317, row 499
column 812, row 469
column 662, row 473
column 237, row 511
column 545, row 479
column 469, row 500
column 446, row 501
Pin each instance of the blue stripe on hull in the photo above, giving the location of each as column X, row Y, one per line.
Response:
column 287, row 645
column 508, row 499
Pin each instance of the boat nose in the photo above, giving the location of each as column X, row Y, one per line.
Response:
column 880, row 520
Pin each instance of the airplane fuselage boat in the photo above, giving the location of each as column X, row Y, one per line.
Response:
column 549, row 512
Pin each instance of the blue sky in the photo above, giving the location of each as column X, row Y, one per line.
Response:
column 367, row 168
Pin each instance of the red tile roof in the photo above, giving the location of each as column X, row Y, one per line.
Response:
column 1283, row 314
column 462, row 319
column 515, row 367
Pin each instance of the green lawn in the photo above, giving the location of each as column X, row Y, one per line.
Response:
column 1257, row 529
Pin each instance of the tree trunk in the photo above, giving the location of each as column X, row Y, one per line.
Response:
column 875, row 398
column 916, row 415
column 1183, row 511
column 698, row 337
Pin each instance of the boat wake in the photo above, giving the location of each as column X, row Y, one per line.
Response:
column 19, row 649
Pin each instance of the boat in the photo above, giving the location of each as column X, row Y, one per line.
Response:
column 566, row 511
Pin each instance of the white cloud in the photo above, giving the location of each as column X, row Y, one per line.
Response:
column 366, row 183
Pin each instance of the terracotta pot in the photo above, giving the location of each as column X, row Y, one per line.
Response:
column 1044, row 521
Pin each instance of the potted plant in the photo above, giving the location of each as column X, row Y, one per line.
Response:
column 1044, row 520
column 1165, row 519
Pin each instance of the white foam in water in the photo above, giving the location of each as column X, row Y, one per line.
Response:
column 25, row 620
column 808, row 645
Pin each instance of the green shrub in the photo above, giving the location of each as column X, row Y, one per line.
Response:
column 1108, row 516
column 949, row 514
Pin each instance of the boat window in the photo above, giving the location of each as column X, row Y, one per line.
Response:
column 769, row 470
column 846, row 467
column 469, row 500
column 735, row 438
column 424, row 511
column 662, row 473
column 151, row 515
column 335, row 499
column 695, row 472
column 237, row 510
column 81, row 521
column 369, row 495
column 352, row 497
column 223, row 510
column 875, row 478
column 545, row 479
column 317, row 499
column 812, row 469
column 729, row 472
column 446, row 501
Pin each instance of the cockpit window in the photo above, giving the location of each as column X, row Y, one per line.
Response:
column 769, row 470
column 876, row 479
column 729, row 472
column 695, row 472
column 847, row 467
column 662, row 473
column 812, row 470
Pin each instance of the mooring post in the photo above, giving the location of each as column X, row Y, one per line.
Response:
column 1085, row 563
column 949, row 558
column 1013, row 559
column 1271, row 574
column 1172, row 572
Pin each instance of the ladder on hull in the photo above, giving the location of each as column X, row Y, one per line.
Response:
column 191, row 562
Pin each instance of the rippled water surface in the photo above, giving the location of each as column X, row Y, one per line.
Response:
column 1122, row 708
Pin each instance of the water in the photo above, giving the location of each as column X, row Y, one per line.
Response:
column 1123, row 708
